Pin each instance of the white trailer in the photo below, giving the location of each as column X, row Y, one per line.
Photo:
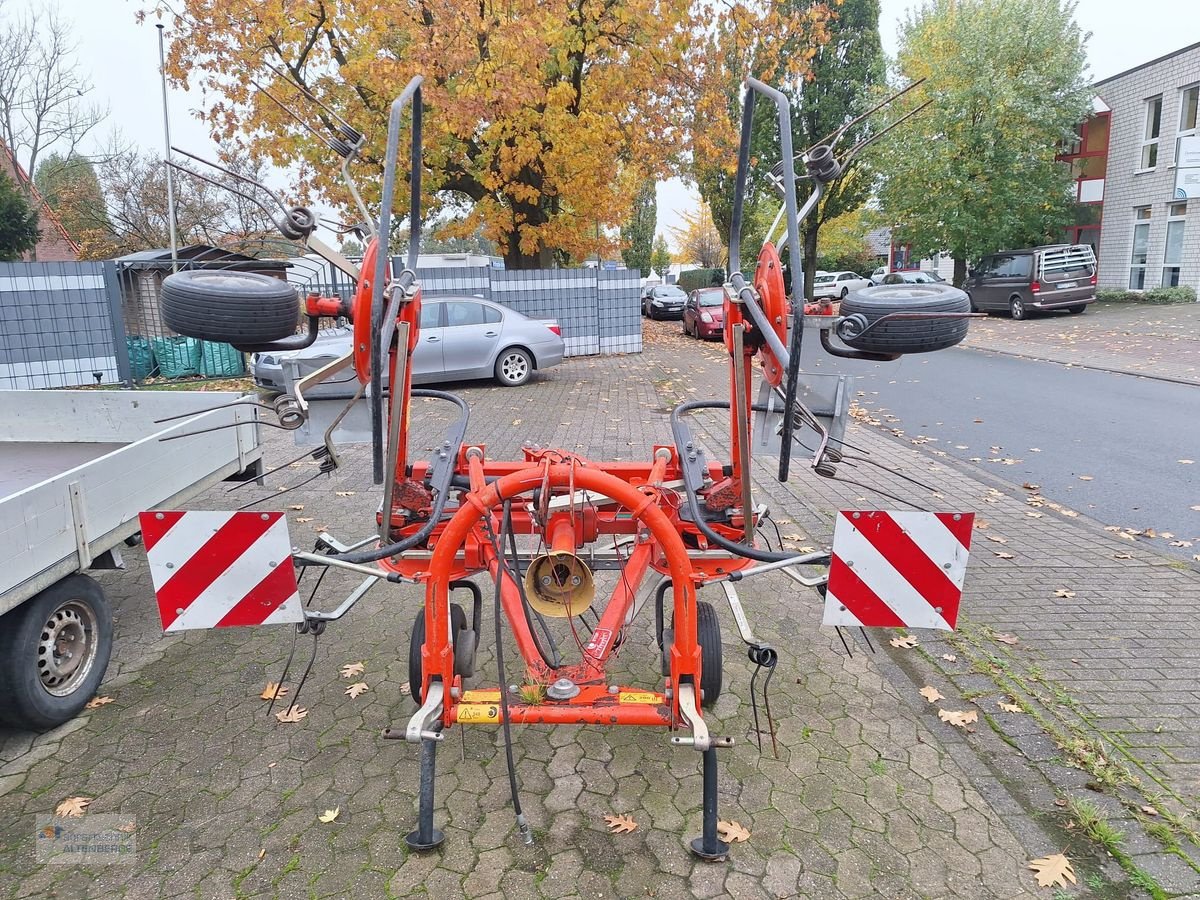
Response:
column 76, row 467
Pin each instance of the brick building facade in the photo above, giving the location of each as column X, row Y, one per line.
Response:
column 55, row 244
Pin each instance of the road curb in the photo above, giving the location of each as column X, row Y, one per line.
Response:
column 1078, row 365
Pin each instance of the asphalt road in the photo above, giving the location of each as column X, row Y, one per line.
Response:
column 1107, row 445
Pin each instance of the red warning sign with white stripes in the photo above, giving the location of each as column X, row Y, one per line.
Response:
column 897, row 569
column 217, row 569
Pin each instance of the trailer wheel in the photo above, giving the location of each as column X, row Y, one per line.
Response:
column 239, row 308
column 54, row 651
column 416, row 677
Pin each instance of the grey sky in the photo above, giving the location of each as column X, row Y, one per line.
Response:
column 122, row 58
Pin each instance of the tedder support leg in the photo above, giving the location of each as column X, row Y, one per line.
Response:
column 426, row 837
column 708, row 846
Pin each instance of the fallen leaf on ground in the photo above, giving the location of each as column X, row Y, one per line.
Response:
column 405, row 689
column 620, row 824
column 303, row 519
column 291, row 715
column 995, row 538
column 1029, row 486
column 982, row 524
column 1033, row 515
column 1070, row 513
column 262, row 852
column 932, row 694
column 344, row 493
column 1035, row 449
column 1086, row 478
column 1006, row 638
column 297, row 506
column 1186, row 462
column 72, row 807
column 949, row 657
column 1126, row 535
column 349, row 670
column 273, row 691
column 97, row 702
column 907, row 642
column 793, row 537
column 1181, row 543
column 1053, row 871
column 1150, row 810
column 329, row 815
column 1062, row 592
column 1003, row 555
column 732, row 831
column 1122, row 556
column 1010, row 707
column 958, row 718
column 359, row 687
column 1195, row 508
column 127, row 827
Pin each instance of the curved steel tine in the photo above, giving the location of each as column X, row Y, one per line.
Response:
column 242, row 401
column 307, row 93
column 858, row 148
column 225, row 187
column 269, row 472
column 834, row 136
column 324, row 139
column 175, row 437
column 245, row 179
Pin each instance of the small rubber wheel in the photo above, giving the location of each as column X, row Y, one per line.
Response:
column 54, row 651
column 239, row 308
column 1016, row 308
column 906, row 335
column 513, row 367
column 1077, row 309
column 458, row 624
column 708, row 635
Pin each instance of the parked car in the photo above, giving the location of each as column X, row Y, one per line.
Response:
column 663, row 301
column 912, row 278
column 461, row 337
column 704, row 313
column 877, row 275
column 838, row 284
column 1021, row 282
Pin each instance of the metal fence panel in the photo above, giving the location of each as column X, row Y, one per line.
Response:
column 56, row 326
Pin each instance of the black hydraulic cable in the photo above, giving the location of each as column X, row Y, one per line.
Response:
column 522, row 825
column 439, row 502
column 506, row 526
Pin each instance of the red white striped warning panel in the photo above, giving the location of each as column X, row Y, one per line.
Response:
column 216, row 569
column 897, row 569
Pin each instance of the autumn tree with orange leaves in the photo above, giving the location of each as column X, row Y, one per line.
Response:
column 542, row 116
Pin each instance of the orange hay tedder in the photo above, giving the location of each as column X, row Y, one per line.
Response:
column 540, row 526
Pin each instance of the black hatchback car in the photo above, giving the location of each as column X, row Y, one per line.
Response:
column 1022, row 282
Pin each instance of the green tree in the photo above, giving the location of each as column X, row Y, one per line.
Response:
column 637, row 235
column 71, row 188
column 18, row 222
column 847, row 71
column 976, row 171
column 660, row 258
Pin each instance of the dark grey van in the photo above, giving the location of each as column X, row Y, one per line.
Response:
column 1021, row 282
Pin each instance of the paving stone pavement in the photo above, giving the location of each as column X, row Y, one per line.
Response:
column 1155, row 340
column 871, row 795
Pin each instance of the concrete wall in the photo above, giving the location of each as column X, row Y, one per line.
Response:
column 1126, row 188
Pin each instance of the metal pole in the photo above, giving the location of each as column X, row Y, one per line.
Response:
column 162, row 71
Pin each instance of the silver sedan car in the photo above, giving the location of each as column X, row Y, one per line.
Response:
column 461, row 338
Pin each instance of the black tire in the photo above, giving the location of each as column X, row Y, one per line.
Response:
column 513, row 367
column 845, row 291
column 1077, row 308
column 41, row 685
column 240, row 308
column 1016, row 308
column 907, row 335
column 971, row 300
column 458, row 624
column 708, row 635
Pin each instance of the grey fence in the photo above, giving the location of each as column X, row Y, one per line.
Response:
column 61, row 325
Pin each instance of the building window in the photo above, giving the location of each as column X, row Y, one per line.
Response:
column 1141, row 240
column 1173, row 257
column 1187, row 115
column 1150, row 138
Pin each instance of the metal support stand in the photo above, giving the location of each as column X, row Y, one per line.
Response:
column 708, row 846
column 426, row 837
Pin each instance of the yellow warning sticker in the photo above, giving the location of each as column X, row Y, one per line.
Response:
column 639, row 697
column 469, row 714
column 481, row 697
